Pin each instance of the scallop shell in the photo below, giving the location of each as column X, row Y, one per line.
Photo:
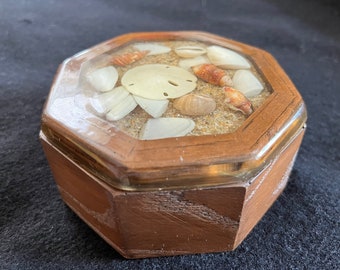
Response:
column 193, row 104
column 121, row 109
column 103, row 79
column 158, row 81
column 212, row 74
column 159, row 128
column 128, row 58
column 102, row 103
column 190, row 62
column 226, row 58
column 237, row 101
column 153, row 107
column 246, row 82
column 190, row 51
column 153, row 48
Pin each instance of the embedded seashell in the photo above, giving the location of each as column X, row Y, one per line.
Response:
column 226, row 58
column 212, row 74
column 190, row 51
column 193, row 104
column 191, row 62
column 237, row 101
column 158, row 81
column 103, row 79
column 120, row 110
column 159, row 128
column 128, row 58
column 153, row 107
column 246, row 82
column 102, row 103
column 153, row 48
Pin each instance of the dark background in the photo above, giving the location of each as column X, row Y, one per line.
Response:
column 37, row 231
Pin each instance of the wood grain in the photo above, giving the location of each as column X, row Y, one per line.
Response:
column 163, row 223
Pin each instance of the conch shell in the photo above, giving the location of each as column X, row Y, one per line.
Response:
column 237, row 101
column 193, row 104
column 128, row 58
column 212, row 74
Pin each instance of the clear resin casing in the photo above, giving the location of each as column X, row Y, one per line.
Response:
column 150, row 111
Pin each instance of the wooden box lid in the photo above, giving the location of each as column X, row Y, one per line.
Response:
column 191, row 161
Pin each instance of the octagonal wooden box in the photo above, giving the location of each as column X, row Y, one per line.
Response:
column 182, row 195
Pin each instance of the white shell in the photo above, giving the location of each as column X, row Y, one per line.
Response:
column 153, row 48
column 103, row 79
column 190, row 51
column 191, row 62
column 102, row 103
column 226, row 58
column 158, row 81
column 159, row 128
column 246, row 82
column 153, row 107
column 121, row 109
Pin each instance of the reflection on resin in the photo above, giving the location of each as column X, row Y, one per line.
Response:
column 155, row 90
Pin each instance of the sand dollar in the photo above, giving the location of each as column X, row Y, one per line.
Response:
column 159, row 81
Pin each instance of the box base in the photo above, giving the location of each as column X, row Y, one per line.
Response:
column 170, row 222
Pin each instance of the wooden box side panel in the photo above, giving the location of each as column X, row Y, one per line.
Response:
column 149, row 224
column 262, row 193
column 167, row 223
column 88, row 198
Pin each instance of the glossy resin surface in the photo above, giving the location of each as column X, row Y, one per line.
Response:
column 229, row 143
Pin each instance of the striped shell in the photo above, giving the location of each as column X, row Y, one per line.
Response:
column 237, row 101
column 195, row 105
column 128, row 58
column 212, row 74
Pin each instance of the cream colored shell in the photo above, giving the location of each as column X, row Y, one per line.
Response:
column 226, row 58
column 102, row 103
column 159, row 128
column 153, row 107
column 190, row 51
column 246, row 82
column 103, row 79
column 153, row 48
column 191, row 62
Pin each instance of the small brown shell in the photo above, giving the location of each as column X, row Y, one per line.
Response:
column 237, row 101
column 212, row 74
column 195, row 105
column 128, row 58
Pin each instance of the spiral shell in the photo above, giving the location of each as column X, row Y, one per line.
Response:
column 212, row 74
column 195, row 105
column 237, row 101
column 128, row 58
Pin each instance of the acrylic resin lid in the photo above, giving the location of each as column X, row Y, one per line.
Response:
column 165, row 110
